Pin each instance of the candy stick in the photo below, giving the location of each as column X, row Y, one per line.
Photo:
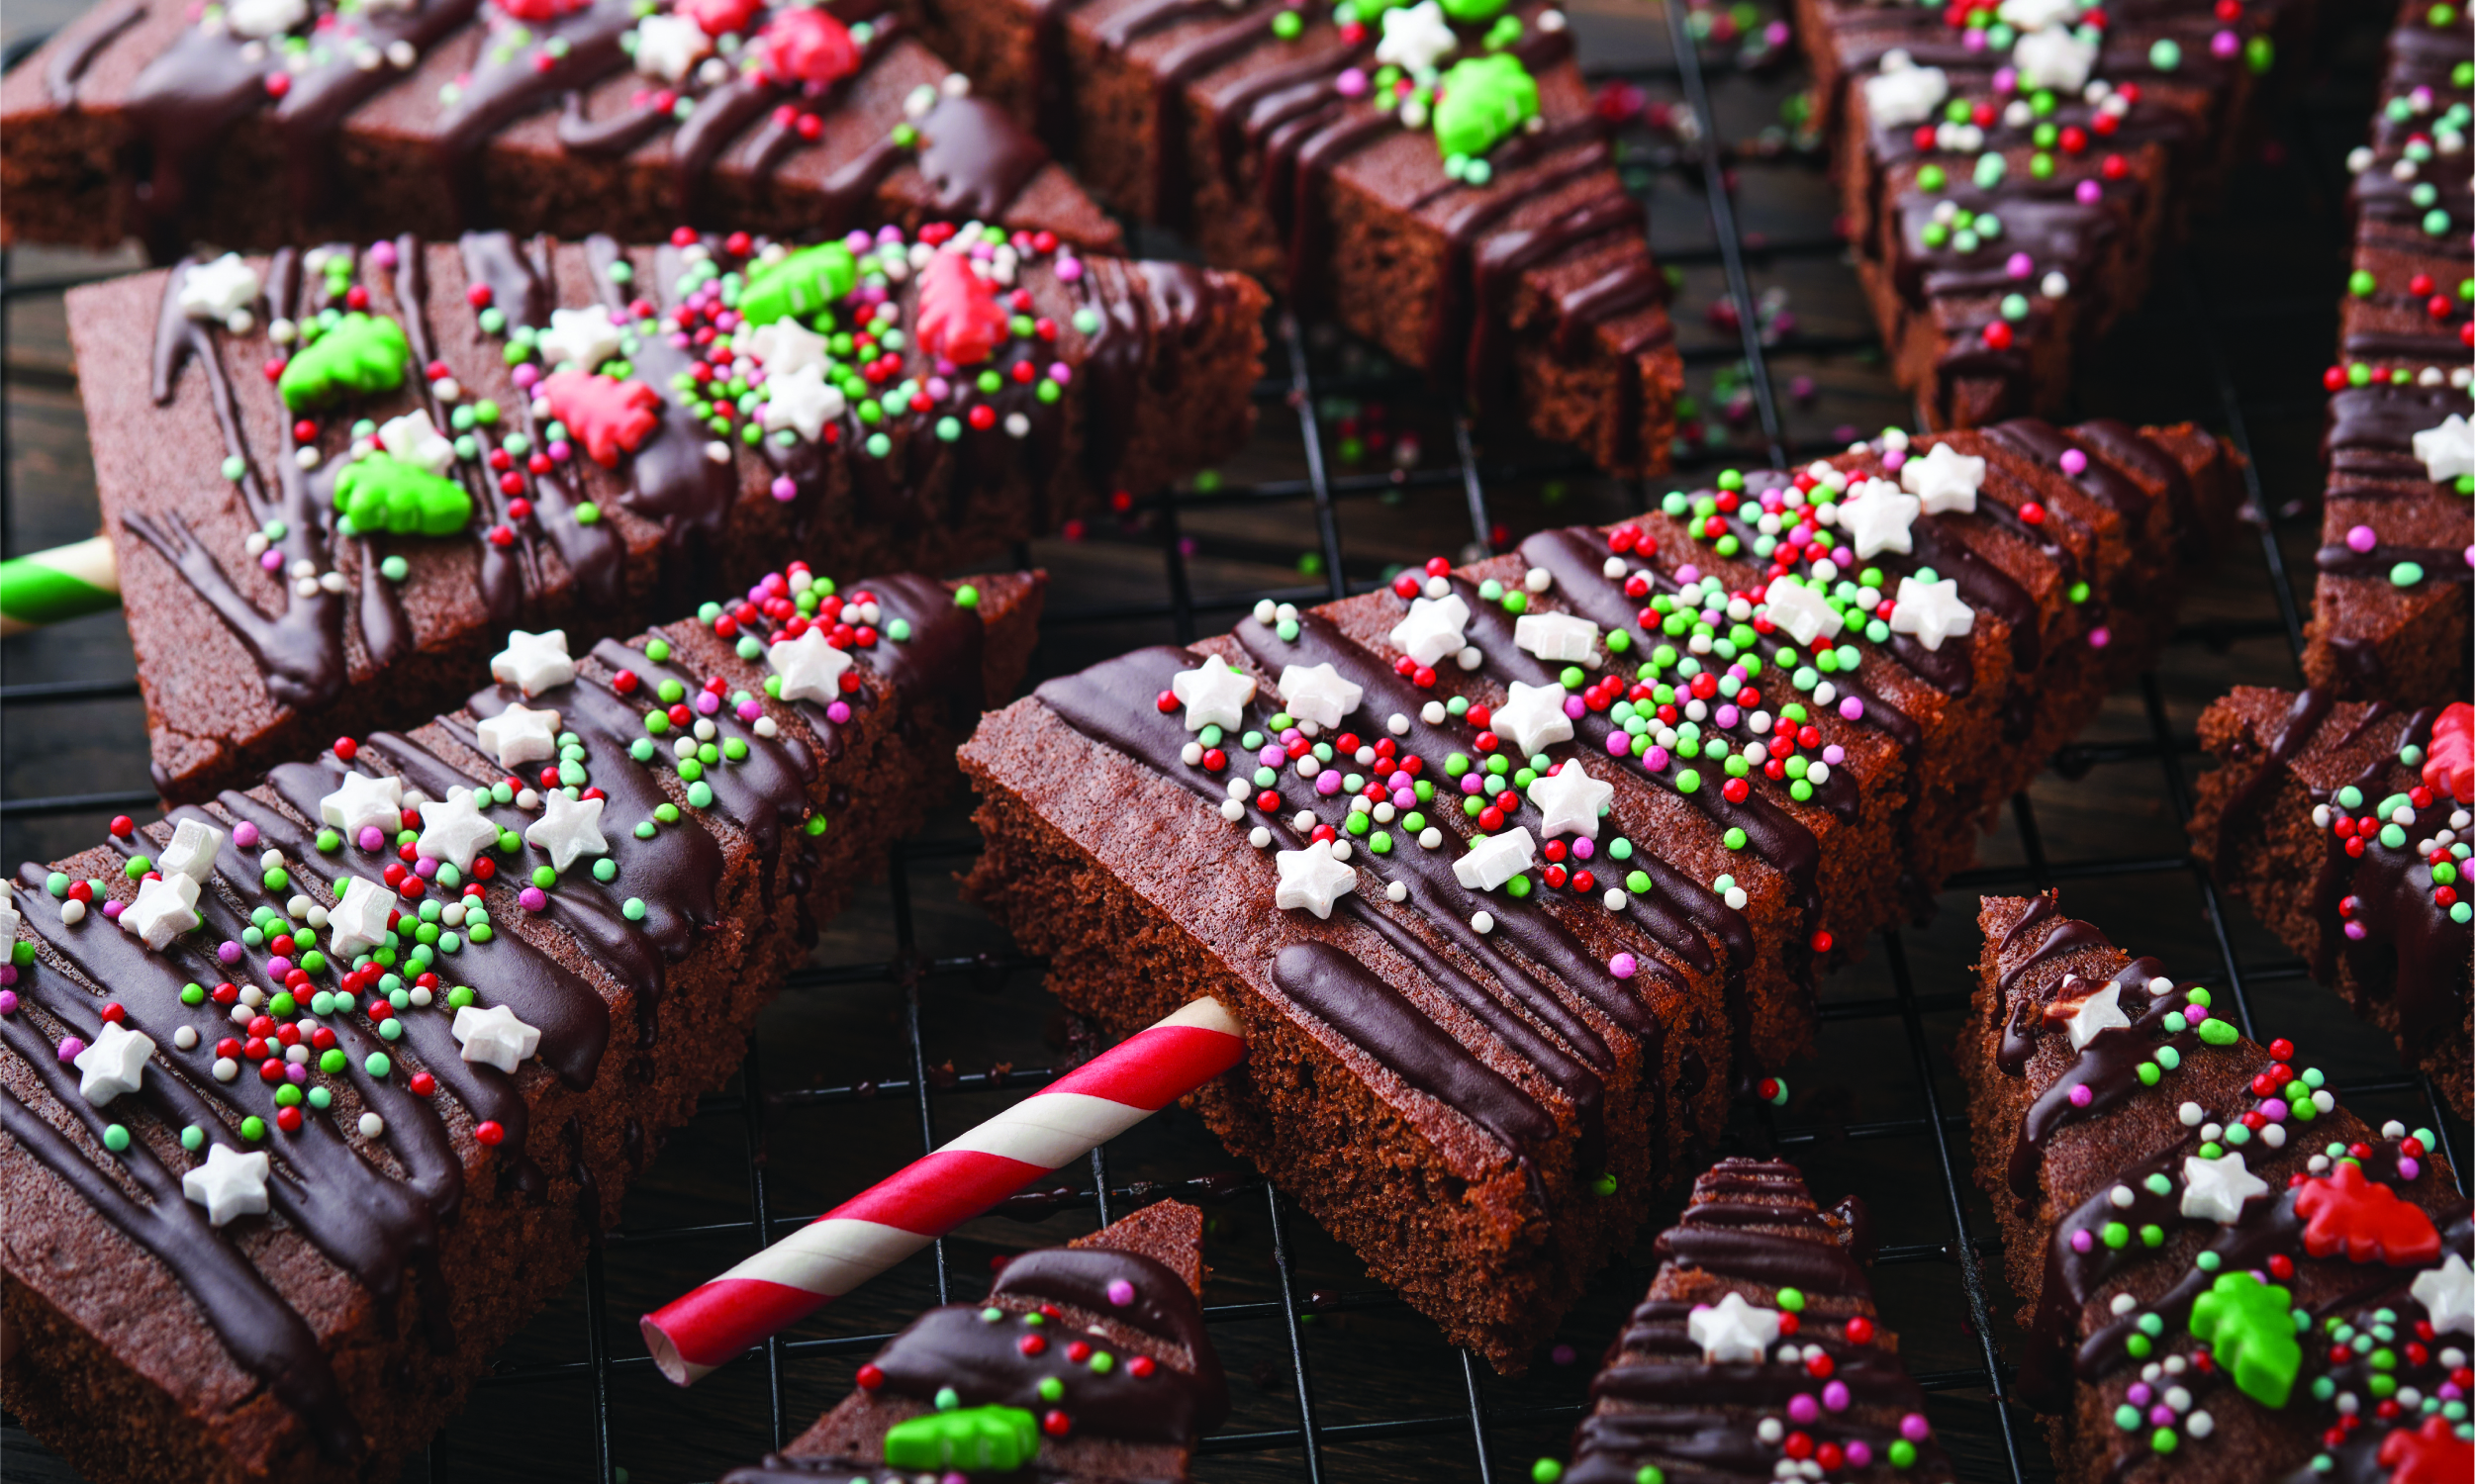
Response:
column 693, row 1335
column 67, row 581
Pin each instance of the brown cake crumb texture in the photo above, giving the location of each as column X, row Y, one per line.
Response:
column 2090, row 151
column 242, row 665
column 1478, row 1090
column 329, row 1337
column 2185, row 1239
column 2375, row 920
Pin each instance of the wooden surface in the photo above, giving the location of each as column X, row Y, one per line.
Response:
column 1393, row 1400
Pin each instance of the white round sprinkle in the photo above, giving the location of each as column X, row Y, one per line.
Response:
column 1612, row 569
column 1433, row 713
column 1258, row 837
column 1397, row 892
column 226, row 1069
column 2324, row 1099
column 2275, row 1136
column 1538, row 578
column 2200, row 1425
column 1736, row 897
column 1397, row 724
column 1017, row 425
column 1438, row 586
column 767, row 727
column 1264, row 610
column 1430, row 837
column 2190, row 1114
column 1192, row 754
column 1481, row 922
column 372, row 1126
column 1238, row 789
column 2122, row 1197
column 1614, row 900
column 705, row 729
column 72, row 911
column 244, row 1014
column 185, row 1038
column 297, row 1055
column 2393, row 1130
column 1470, row 658
column 1305, row 821
column 306, row 456
column 2124, row 1303
column 1232, row 810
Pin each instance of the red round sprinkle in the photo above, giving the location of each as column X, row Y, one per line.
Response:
column 422, row 1085
column 288, row 1120
column 1032, row 1344
column 870, row 1377
column 1860, row 1330
column 488, row 1132
column 1056, row 1425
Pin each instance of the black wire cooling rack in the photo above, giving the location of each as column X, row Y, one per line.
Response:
column 856, row 1069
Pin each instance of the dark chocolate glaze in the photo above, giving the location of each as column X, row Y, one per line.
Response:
column 2440, row 563
column 70, row 64
column 1163, row 1307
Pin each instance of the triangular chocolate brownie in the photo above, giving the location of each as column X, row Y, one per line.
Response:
column 333, row 478
column 1086, row 1364
column 1757, row 1354
column 2227, row 1275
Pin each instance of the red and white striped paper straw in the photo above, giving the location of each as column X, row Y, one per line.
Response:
column 700, row 1330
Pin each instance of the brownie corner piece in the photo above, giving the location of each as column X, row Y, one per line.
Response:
column 1087, row 1362
column 333, row 477
column 1758, row 1350
column 2225, row 1274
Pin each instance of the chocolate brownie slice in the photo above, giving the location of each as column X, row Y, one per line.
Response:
column 333, row 478
column 2389, row 610
column 1088, row 1361
column 2225, row 1276
column 2009, row 173
column 1431, row 175
column 259, row 122
column 315, row 1093
column 2343, row 827
column 1757, row 1352
column 1611, row 814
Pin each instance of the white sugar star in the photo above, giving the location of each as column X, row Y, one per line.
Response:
column 1944, row 480
column 1433, row 628
column 411, row 439
column 1903, row 93
column 1494, row 859
column 1415, row 36
column 1569, row 800
column 166, row 908
column 1312, row 878
column 786, row 346
column 568, row 828
column 259, row 19
column 519, row 735
column 668, row 45
column 1733, row 1330
column 1877, row 517
column 2448, row 450
column 454, row 831
column 1554, row 637
column 534, row 663
column 1532, row 717
column 115, row 1063
column 2216, row 1189
column 192, row 851
column 495, row 1037
column 2447, row 1294
column 1317, row 694
column 587, row 337
column 229, row 1183
column 362, row 801
column 9, row 921
column 1214, row 694
column 1932, row 612
column 1802, row 610
column 809, row 667
column 2053, row 58
column 801, row 401
column 358, row 920
column 2093, row 1010
column 2036, row 15
column 216, row 290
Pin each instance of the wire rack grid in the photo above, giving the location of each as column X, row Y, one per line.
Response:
column 1425, row 1410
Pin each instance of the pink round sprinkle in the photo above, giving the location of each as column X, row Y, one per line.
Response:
column 2409, row 1166
column 1060, row 373
column 533, row 900
column 2081, row 1242
column 1470, row 783
column 1574, row 706
column 524, row 376
column 1271, row 756
column 940, row 388
column 562, row 451
column 1622, row 966
column 838, row 711
column 1069, row 269
column 2081, row 1096
column 1688, row 574
column 1893, row 459
column 707, row 703
column 426, row 866
column 1352, row 82
column 2073, row 461
column 1914, row 1426
column 2019, row 265
column 1328, row 781
column 1850, row 709
column 1656, row 760
column 2224, row 43
column 1120, row 1292
column 1973, row 41
column 278, row 966
column 2161, row 1415
column 2139, row 1394
column 1618, row 744
column 2089, row 192
column 70, row 1047
column 1583, row 847
column 271, row 559
column 2100, row 636
column 2362, row 538
column 113, row 908
column 296, row 1073
column 2356, row 931
column 228, row 952
column 8, row 998
column 1803, row 1409
column 372, row 837
column 1404, row 798
column 1834, row 1396
column 749, row 711
column 2006, row 79
column 859, row 241
column 2195, row 1013
column 1833, row 754
column 1728, row 714
column 2275, row 1110
column 785, row 488
column 1859, row 1453
column 382, row 254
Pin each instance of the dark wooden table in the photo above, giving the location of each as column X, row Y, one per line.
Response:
column 2238, row 336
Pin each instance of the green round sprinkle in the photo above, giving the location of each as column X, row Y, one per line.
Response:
column 193, row 1137
column 115, row 1138
column 253, row 1128
column 633, row 909
column 376, row 1064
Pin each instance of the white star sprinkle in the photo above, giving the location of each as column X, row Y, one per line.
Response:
column 2091, row 1010
column 667, row 46
column 2448, row 450
column 412, row 439
column 587, row 337
column 787, row 347
column 228, row 1184
column 1416, row 37
column 192, row 851
column 2053, row 58
column 534, row 663
column 1214, row 694
column 2447, row 1294
column 1532, row 717
column 115, row 1063
column 255, row 19
column 1944, row 480
column 2216, row 1189
column 1733, row 1330
column 568, row 829
column 454, row 831
column 9, row 921
column 1569, row 800
column 801, row 401
column 809, row 667
column 1903, row 93
column 358, row 920
column 1877, row 517
column 1554, row 637
column 2024, row 16
column 1932, row 612
column 519, row 735
column 1433, row 628
column 1317, row 694
column 1494, row 859
column 166, row 908
column 495, row 1037
column 1802, row 610
column 216, row 290
column 362, row 801
column 1311, row 879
